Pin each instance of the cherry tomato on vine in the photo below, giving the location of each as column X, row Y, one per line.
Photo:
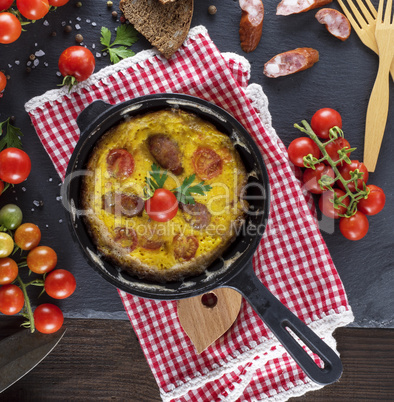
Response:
column 77, row 62
column 48, row 318
column 33, row 9
column 60, row 284
column 58, row 3
column 311, row 177
column 5, row 4
column 333, row 147
column 11, row 216
column 8, row 270
column 345, row 173
column 300, row 147
column 41, row 259
column 15, row 165
column 325, row 119
column 355, row 227
column 10, row 28
column 1, row 186
column 162, row 206
column 3, row 82
column 27, row 236
column 11, row 299
column 375, row 201
column 326, row 203
column 6, row 244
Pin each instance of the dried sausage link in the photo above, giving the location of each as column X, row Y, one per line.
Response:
column 336, row 23
column 251, row 24
column 287, row 7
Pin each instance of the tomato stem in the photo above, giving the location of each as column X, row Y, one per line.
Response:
column 30, row 316
column 310, row 162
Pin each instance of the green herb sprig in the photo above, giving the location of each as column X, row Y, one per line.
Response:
column 11, row 136
column 126, row 36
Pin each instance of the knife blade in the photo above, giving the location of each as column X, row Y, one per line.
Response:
column 21, row 352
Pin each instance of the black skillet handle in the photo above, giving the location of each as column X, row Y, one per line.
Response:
column 278, row 318
column 90, row 113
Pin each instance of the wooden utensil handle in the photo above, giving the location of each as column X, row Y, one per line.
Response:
column 377, row 112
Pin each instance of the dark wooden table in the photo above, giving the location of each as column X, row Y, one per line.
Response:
column 102, row 360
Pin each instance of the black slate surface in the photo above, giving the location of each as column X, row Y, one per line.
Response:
column 342, row 79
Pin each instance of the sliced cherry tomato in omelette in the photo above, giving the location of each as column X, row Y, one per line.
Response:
column 207, row 163
column 300, row 147
column 41, row 259
column 8, row 270
column 355, row 227
column 10, row 28
column 326, row 203
column 345, row 173
column 15, row 165
column 311, row 177
column 120, row 163
column 375, row 201
column 162, row 206
column 48, row 318
column 325, row 119
column 333, row 147
column 60, row 284
column 11, row 299
column 27, row 236
column 33, row 9
column 126, row 238
column 185, row 247
column 197, row 215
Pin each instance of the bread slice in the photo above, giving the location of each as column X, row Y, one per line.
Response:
column 166, row 1
column 165, row 26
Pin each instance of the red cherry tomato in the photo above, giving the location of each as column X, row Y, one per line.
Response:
column 11, row 299
column 300, row 147
column 311, row 177
column 41, row 259
column 27, row 236
column 355, row 227
column 325, row 119
column 58, row 3
column 185, row 247
column 10, row 28
column 60, row 284
column 162, row 206
column 207, row 163
column 1, row 186
column 77, row 62
column 48, row 318
column 3, row 81
column 345, row 173
column 375, row 201
column 8, row 270
column 333, row 147
column 5, row 4
column 120, row 163
column 326, row 203
column 33, row 9
column 15, row 165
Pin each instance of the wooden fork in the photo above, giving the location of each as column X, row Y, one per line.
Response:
column 378, row 105
column 364, row 24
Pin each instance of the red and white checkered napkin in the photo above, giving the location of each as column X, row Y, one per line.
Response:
column 247, row 363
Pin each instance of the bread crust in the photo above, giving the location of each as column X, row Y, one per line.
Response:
column 165, row 24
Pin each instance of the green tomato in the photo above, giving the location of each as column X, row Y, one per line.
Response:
column 10, row 216
column 6, row 245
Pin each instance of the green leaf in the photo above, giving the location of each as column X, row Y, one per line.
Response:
column 184, row 192
column 125, row 35
column 11, row 136
column 105, row 37
column 117, row 53
column 156, row 179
